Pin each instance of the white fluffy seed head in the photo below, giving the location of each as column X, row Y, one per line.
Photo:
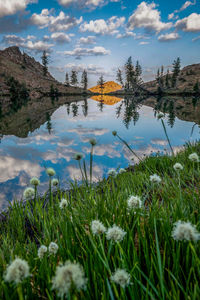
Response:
column 29, row 193
column 112, row 172
column 134, row 202
column 185, row 231
column 63, row 203
column 53, row 248
column 155, row 178
column 41, row 251
column 17, row 271
column 50, row 172
column 178, row 167
column 55, row 182
column 35, row 181
column 194, row 157
column 122, row 170
column 115, row 234
column 121, row 277
column 68, row 275
column 97, row 227
column 93, row 142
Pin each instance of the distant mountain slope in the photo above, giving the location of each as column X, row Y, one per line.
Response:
column 109, row 86
column 189, row 75
column 27, row 70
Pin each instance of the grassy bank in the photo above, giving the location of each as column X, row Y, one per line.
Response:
column 156, row 260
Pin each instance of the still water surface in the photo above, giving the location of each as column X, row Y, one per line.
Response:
column 48, row 134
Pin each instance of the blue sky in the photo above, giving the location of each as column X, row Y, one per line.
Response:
column 99, row 35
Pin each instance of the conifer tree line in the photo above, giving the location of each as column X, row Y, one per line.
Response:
column 130, row 75
column 169, row 80
column 72, row 79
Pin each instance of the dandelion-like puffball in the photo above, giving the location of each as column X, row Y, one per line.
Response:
column 68, row 275
column 122, row 170
column 29, row 193
column 194, row 157
column 155, row 178
column 134, row 202
column 93, row 142
column 160, row 116
column 50, row 172
column 17, row 271
column 97, row 227
column 53, row 248
column 55, row 182
column 178, row 167
column 63, row 203
column 41, row 251
column 114, row 132
column 185, row 231
column 78, row 156
column 35, row 181
column 115, row 234
column 112, row 172
column 121, row 277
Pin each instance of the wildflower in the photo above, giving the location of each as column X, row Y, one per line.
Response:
column 35, row 181
column 122, row 170
column 97, row 227
column 160, row 116
column 93, row 142
column 112, row 172
column 194, row 157
column 155, row 178
column 50, row 172
column 63, row 203
column 134, row 202
column 41, row 251
column 114, row 133
column 17, row 271
column 185, row 231
column 78, row 156
column 53, row 248
column 55, row 182
column 68, row 275
column 121, row 277
column 178, row 167
column 29, row 193
column 115, row 234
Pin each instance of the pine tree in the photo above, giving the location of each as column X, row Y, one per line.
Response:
column 161, row 76
column 45, row 62
column 129, row 70
column 119, row 77
column 67, row 79
column 101, row 83
column 84, row 80
column 158, row 76
column 138, row 73
column 176, row 71
column 167, row 79
column 74, row 78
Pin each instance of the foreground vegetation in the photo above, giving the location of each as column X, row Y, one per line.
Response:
column 154, row 257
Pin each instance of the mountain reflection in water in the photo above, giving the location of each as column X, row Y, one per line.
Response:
column 48, row 132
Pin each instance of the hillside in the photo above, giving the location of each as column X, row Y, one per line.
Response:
column 189, row 75
column 109, row 86
column 26, row 69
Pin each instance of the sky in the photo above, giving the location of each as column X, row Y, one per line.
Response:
column 100, row 35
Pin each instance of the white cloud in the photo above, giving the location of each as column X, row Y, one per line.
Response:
column 26, row 43
column 126, row 34
column 91, row 4
column 143, row 43
column 196, row 38
column 90, row 68
column 103, row 27
column 10, row 7
column 190, row 23
column 183, row 7
column 60, row 23
column 96, row 51
column 88, row 131
column 61, row 37
column 148, row 17
column 169, row 37
column 87, row 40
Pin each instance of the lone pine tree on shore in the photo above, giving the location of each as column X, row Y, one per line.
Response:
column 67, row 79
column 74, row 78
column 176, row 71
column 84, row 80
column 45, row 62
column 101, row 83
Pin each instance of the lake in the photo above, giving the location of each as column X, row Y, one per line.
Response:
column 48, row 132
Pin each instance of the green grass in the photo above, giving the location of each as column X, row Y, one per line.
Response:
column 160, row 267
